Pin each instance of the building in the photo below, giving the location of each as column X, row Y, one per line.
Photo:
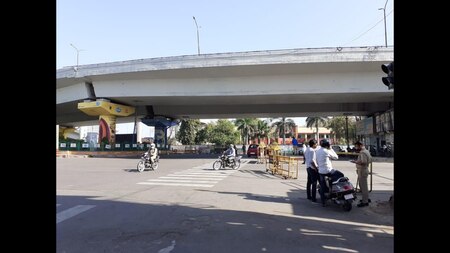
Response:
column 304, row 134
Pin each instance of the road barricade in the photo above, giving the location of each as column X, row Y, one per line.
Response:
column 285, row 166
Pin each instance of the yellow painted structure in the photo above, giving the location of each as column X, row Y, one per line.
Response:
column 107, row 113
column 97, row 108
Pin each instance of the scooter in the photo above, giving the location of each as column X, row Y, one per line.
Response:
column 342, row 192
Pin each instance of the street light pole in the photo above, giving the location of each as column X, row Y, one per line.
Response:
column 198, row 36
column 78, row 51
column 384, row 15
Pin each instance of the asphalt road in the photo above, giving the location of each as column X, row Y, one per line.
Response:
column 105, row 205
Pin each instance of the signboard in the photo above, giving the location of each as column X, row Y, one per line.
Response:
column 364, row 126
column 117, row 145
column 85, row 145
column 62, row 145
column 127, row 145
column 73, row 145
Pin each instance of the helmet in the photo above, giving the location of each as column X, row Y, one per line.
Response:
column 152, row 145
column 324, row 143
column 231, row 145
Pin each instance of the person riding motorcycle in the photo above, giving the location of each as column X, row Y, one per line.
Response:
column 230, row 153
column 152, row 152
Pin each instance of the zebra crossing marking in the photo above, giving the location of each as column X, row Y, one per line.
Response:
column 71, row 212
column 194, row 177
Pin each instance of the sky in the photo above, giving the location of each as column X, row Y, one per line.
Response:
column 103, row 31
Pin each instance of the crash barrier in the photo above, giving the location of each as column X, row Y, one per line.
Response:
column 173, row 149
column 85, row 146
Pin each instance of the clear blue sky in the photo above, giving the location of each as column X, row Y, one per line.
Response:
column 118, row 30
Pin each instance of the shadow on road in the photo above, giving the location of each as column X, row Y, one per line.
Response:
column 114, row 226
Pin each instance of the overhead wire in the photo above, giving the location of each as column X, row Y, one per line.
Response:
column 368, row 29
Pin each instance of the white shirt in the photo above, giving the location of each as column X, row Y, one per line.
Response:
column 309, row 156
column 323, row 159
column 230, row 152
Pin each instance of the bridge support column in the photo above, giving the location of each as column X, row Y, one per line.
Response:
column 107, row 112
column 107, row 128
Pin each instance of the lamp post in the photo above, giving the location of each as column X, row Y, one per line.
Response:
column 198, row 37
column 384, row 15
column 78, row 51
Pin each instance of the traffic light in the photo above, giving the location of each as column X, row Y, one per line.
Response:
column 389, row 70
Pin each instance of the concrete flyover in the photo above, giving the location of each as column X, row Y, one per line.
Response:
column 290, row 83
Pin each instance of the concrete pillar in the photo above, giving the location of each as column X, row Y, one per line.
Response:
column 107, row 128
column 138, row 132
column 57, row 137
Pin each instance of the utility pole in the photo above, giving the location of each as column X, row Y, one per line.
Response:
column 384, row 15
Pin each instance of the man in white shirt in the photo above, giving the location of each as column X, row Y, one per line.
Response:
column 324, row 155
column 230, row 153
column 311, row 169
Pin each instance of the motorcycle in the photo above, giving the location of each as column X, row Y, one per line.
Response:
column 223, row 162
column 342, row 192
column 146, row 163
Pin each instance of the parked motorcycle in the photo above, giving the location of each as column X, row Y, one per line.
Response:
column 145, row 163
column 342, row 192
column 223, row 162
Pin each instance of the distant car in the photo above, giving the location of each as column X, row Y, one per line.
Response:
column 339, row 148
column 252, row 150
column 300, row 148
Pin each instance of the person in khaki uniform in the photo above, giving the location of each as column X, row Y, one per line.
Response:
column 362, row 169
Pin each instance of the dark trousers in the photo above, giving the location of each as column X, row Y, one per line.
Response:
column 311, row 183
column 323, row 186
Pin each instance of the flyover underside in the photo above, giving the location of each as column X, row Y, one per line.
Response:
column 275, row 107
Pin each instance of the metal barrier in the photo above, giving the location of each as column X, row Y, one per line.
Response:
column 286, row 166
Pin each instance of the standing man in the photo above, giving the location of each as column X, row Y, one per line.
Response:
column 311, row 169
column 362, row 169
column 303, row 152
column 294, row 145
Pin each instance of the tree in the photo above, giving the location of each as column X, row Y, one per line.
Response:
column 338, row 126
column 203, row 135
column 281, row 126
column 187, row 132
column 247, row 127
column 262, row 130
column 316, row 122
column 223, row 133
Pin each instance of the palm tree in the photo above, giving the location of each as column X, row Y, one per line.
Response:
column 316, row 121
column 246, row 126
column 262, row 130
column 281, row 125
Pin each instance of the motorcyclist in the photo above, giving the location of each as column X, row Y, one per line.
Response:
column 152, row 152
column 230, row 153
